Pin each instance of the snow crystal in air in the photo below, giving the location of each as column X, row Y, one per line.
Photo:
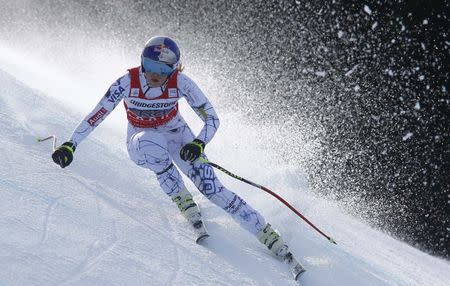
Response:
column 407, row 136
column 367, row 10
column 351, row 71
column 320, row 73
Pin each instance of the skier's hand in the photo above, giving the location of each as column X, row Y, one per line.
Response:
column 63, row 155
column 192, row 151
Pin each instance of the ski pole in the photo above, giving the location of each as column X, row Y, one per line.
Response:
column 47, row 138
column 270, row 192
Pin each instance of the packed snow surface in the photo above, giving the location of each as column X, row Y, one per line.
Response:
column 105, row 221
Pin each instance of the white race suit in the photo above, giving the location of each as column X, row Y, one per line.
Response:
column 155, row 144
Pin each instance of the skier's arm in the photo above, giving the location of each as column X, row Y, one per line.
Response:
column 201, row 105
column 107, row 104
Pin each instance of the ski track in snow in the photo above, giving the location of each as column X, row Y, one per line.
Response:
column 104, row 221
column 87, row 263
column 99, row 192
column 46, row 218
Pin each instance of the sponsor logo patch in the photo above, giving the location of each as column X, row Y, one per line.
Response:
column 115, row 95
column 97, row 116
column 134, row 92
column 154, row 105
column 173, row 92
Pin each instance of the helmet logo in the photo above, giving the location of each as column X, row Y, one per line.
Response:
column 163, row 50
column 165, row 54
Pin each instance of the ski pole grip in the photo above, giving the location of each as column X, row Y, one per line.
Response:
column 47, row 138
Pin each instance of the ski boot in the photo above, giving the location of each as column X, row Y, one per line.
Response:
column 191, row 212
column 276, row 245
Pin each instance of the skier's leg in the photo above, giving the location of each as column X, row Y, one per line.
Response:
column 209, row 185
column 148, row 149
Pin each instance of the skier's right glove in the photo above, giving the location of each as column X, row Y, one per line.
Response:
column 63, row 155
column 192, row 151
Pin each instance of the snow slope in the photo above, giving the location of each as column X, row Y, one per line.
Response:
column 104, row 221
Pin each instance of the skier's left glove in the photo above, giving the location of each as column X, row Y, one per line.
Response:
column 63, row 155
column 192, row 150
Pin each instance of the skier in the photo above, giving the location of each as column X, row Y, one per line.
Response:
column 159, row 138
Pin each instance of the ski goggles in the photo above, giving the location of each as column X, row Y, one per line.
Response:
column 159, row 68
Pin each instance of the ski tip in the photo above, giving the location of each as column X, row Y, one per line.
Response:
column 201, row 238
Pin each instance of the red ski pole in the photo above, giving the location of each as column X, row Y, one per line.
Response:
column 273, row 194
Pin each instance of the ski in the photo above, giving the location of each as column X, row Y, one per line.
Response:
column 194, row 217
column 296, row 268
column 200, row 231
